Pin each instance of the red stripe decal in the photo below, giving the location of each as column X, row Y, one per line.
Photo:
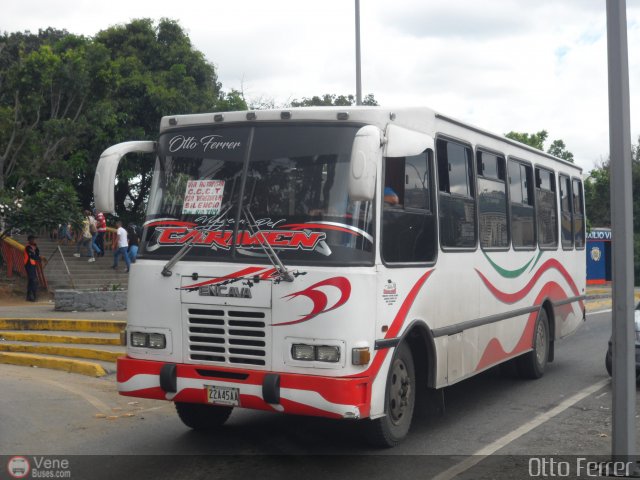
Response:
column 395, row 327
column 494, row 352
column 519, row 295
column 242, row 273
column 319, row 298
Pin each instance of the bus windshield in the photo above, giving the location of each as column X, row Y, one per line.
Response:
column 228, row 190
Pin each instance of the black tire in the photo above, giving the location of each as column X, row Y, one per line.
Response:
column 608, row 363
column 531, row 365
column 199, row 416
column 400, row 400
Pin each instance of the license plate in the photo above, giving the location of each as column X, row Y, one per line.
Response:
column 223, row 395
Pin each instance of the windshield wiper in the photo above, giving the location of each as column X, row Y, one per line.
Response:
column 166, row 270
column 283, row 272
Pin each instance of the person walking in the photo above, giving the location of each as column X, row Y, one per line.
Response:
column 102, row 230
column 85, row 238
column 121, row 247
column 134, row 242
column 93, row 229
column 31, row 259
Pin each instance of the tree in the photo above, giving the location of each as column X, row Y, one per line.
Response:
column 559, row 149
column 598, row 204
column 536, row 140
column 51, row 203
column 331, row 99
column 45, row 81
column 152, row 71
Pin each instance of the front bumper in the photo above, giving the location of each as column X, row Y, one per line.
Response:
column 288, row 393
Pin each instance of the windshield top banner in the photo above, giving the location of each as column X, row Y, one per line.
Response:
column 225, row 143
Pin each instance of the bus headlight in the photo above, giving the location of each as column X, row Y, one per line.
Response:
column 328, row 353
column 139, row 339
column 148, row 340
column 157, row 340
column 319, row 353
column 300, row 351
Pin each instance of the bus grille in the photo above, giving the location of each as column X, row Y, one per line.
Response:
column 227, row 335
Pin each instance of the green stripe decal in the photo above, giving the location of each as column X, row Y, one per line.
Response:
column 536, row 262
column 510, row 273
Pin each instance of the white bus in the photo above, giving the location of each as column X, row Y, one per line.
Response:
column 333, row 261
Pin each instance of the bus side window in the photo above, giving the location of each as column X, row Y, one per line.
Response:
column 578, row 213
column 408, row 226
column 492, row 201
column 547, row 209
column 523, row 232
column 566, row 220
column 456, row 196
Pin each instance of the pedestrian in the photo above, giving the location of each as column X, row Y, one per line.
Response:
column 93, row 229
column 31, row 259
column 85, row 238
column 64, row 234
column 102, row 230
column 121, row 247
column 134, row 242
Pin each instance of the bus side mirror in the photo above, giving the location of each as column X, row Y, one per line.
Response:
column 105, row 176
column 365, row 154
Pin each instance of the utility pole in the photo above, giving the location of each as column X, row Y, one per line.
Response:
column 358, row 74
column 623, row 443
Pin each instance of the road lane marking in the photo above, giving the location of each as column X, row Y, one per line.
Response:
column 502, row 442
column 94, row 401
column 597, row 312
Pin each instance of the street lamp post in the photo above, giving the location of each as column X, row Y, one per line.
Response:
column 623, row 332
column 358, row 75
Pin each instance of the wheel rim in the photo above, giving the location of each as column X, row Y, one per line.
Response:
column 541, row 342
column 399, row 391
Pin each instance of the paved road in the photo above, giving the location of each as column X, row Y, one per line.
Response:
column 49, row 412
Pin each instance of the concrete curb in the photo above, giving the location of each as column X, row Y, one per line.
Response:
column 75, row 352
column 101, row 326
column 67, row 364
column 46, row 338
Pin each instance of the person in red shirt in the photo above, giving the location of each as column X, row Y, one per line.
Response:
column 102, row 229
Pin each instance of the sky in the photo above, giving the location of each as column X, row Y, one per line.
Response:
column 502, row 65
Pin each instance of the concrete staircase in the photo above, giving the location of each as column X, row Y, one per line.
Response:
column 84, row 275
column 87, row 347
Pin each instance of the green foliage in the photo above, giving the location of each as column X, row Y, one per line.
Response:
column 65, row 98
column 331, row 100
column 50, row 203
column 231, row 101
column 536, row 140
column 598, row 204
column 559, row 149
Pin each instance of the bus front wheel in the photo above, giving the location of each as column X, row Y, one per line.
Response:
column 531, row 365
column 400, row 399
column 199, row 416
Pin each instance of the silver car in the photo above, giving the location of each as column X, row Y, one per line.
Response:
column 609, row 357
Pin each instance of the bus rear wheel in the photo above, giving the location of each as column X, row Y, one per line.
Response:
column 199, row 416
column 531, row 365
column 400, row 399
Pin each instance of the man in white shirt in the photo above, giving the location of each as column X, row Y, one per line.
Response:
column 121, row 248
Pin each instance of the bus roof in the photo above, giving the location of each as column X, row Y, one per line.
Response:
column 421, row 119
